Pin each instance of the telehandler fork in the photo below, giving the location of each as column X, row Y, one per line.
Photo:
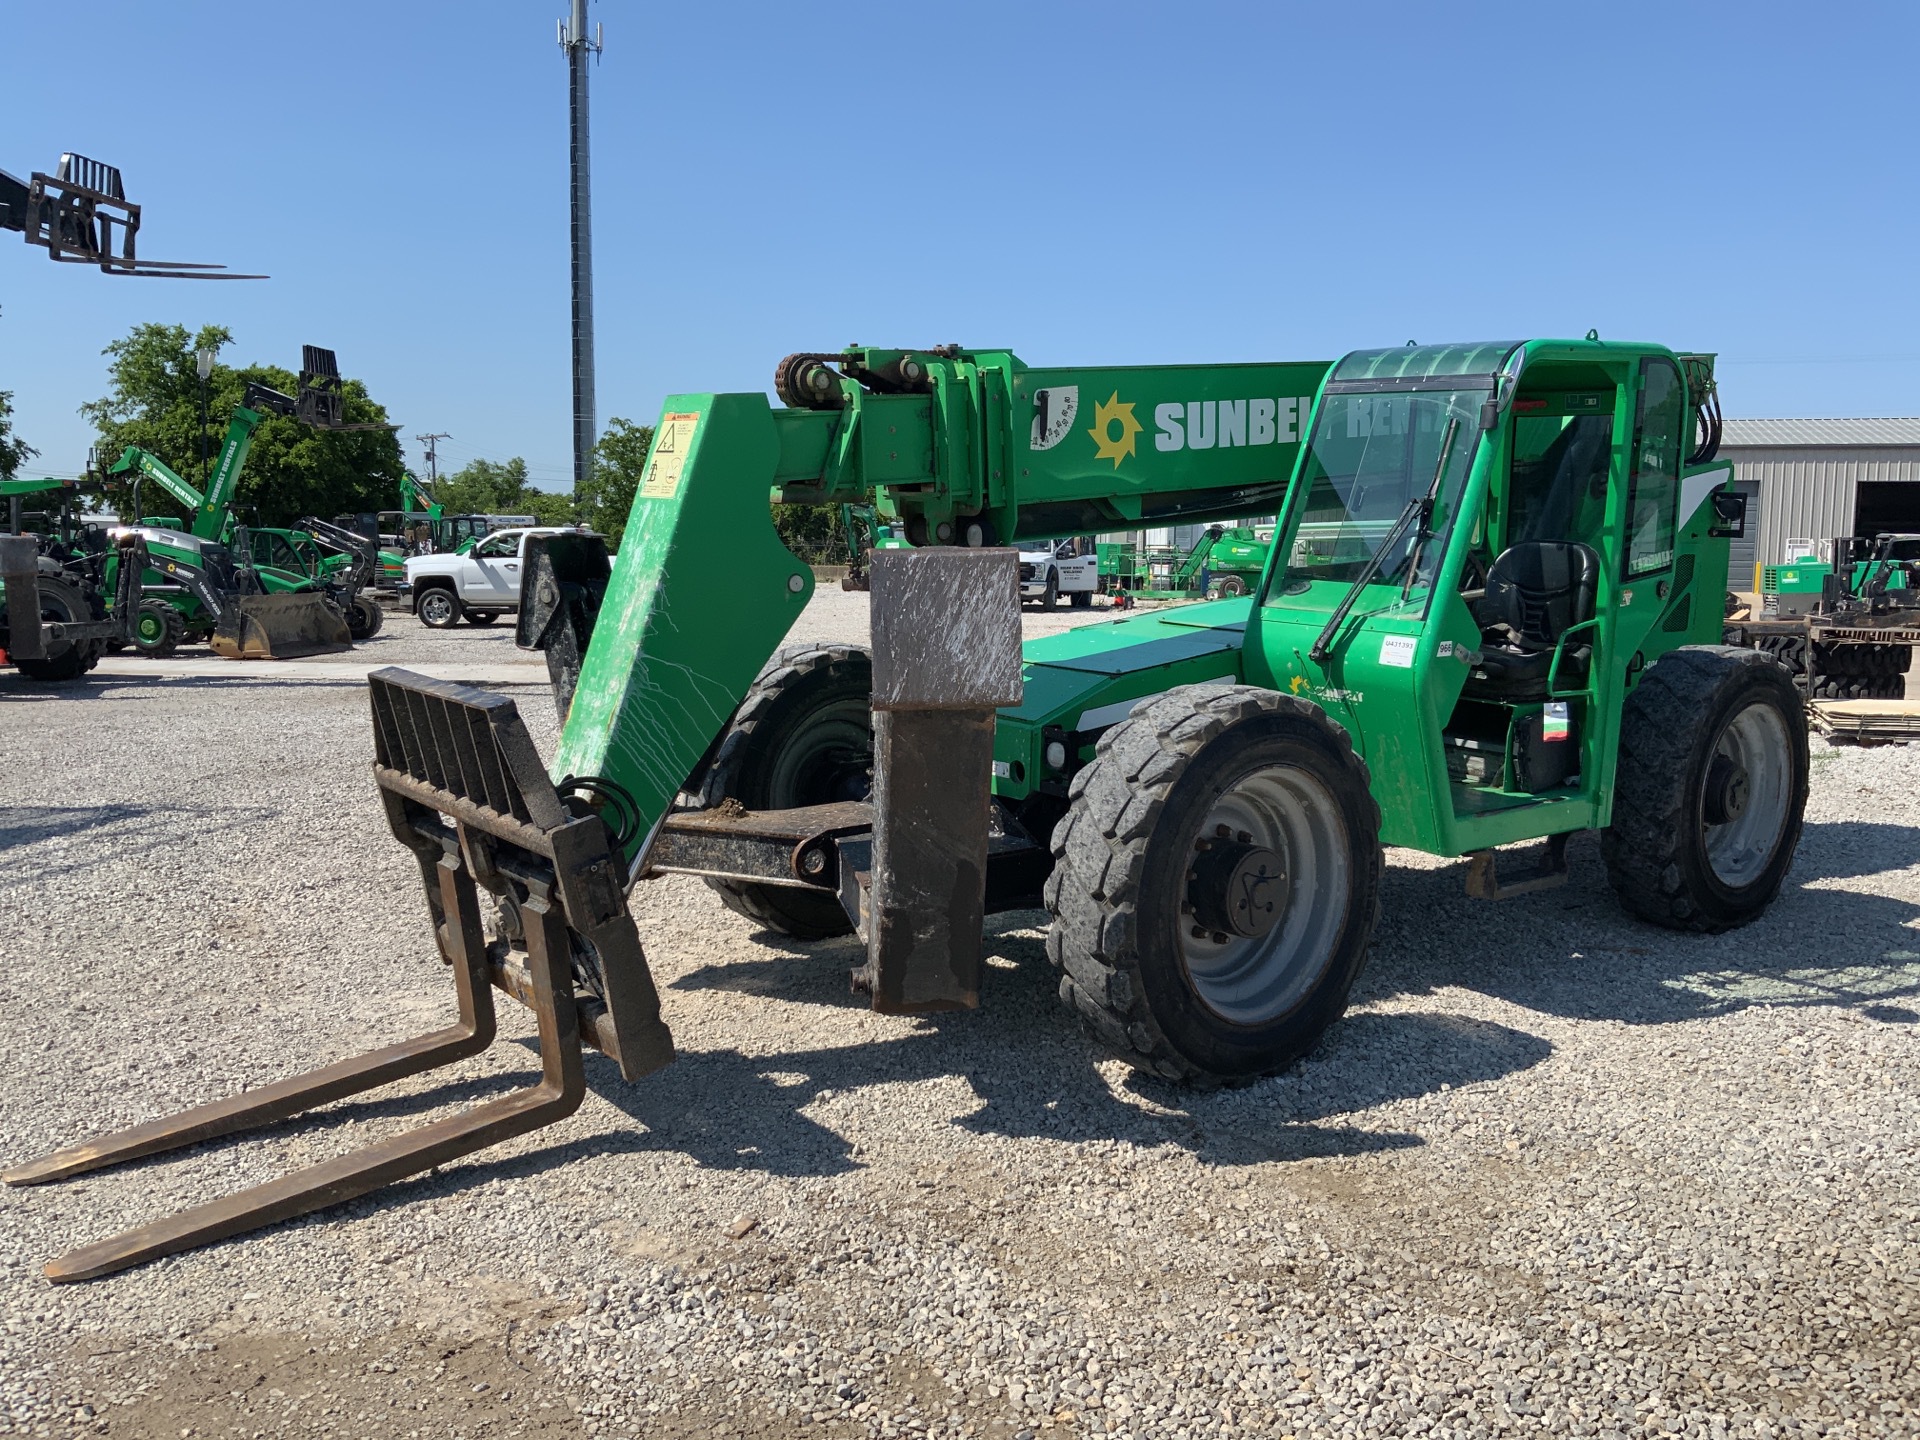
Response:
column 1489, row 616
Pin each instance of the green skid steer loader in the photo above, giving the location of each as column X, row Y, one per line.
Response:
column 1490, row 616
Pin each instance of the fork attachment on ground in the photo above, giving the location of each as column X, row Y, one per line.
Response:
column 464, row 790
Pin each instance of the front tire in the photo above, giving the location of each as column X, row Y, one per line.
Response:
column 1710, row 791
column 1050, row 597
column 802, row 736
column 364, row 618
column 439, row 608
column 1216, row 882
column 158, row 629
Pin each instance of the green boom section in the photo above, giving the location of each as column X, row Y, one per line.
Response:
column 1048, row 452
column 668, row 663
column 949, row 437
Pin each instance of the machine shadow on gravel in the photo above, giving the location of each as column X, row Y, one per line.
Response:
column 1034, row 1073
column 1574, row 953
column 133, row 825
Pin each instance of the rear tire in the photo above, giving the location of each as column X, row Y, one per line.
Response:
column 1083, row 599
column 1137, row 885
column 1231, row 587
column 158, row 629
column 482, row 617
column 802, row 736
column 1710, row 791
column 438, row 608
column 63, row 601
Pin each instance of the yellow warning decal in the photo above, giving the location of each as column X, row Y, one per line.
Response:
column 671, row 444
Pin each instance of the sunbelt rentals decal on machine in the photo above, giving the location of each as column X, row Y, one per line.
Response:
column 1177, row 424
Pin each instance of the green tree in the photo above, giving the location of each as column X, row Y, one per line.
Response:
column 495, row 487
column 813, row 532
column 619, row 458
column 14, row 452
column 153, row 401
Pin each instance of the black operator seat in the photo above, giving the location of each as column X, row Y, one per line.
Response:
column 1536, row 591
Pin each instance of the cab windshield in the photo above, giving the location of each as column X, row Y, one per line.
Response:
column 1374, row 457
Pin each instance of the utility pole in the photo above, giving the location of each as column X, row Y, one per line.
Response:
column 576, row 44
column 433, row 454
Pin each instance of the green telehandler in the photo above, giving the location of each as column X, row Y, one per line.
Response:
column 299, row 601
column 1490, row 616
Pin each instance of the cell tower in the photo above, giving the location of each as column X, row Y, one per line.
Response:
column 574, row 41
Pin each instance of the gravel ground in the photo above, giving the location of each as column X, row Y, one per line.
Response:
column 1557, row 1172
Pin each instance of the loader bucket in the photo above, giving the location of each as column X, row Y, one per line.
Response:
column 280, row 627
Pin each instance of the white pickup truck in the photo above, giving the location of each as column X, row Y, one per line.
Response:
column 479, row 586
column 1050, row 569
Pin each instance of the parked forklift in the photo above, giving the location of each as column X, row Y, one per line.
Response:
column 61, row 605
column 1490, row 617
column 1845, row 627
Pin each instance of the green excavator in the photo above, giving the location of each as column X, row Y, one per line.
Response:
column 1490, row 618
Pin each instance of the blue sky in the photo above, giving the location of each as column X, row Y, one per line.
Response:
column 1086, row 183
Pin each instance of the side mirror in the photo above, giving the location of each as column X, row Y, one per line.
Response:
column 1489, row 414
column 1729, row 515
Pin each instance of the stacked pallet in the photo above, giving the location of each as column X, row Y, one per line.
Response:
column 1867, row 722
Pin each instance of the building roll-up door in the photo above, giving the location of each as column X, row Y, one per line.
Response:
column 1744, row 552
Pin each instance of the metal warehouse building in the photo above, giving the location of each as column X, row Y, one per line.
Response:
column 1814, row 479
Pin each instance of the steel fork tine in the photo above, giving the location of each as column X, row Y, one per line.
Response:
column 562, row 1085
column 316, row 1087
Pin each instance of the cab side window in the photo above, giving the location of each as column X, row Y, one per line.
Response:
column 497, row 546
column 1654, row 490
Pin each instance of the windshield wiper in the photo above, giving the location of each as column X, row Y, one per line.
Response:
column 1419, row 508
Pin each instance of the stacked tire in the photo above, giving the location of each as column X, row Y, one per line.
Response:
column 1861, row 672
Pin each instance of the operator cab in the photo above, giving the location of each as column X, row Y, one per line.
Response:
column 1471, row 531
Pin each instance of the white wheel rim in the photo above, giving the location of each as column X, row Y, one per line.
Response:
column 1258, row 980
column 1741, row 849
column 436, row 607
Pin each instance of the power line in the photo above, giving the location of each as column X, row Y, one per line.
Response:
column 433, row 454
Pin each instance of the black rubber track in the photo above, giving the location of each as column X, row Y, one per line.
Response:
column 1668, row 727
column 1100, row 859
column 803, row 914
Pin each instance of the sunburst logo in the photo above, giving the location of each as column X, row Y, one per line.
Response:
column 1297, row 684
column 1106, row 415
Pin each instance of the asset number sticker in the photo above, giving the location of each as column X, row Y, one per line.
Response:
column 669, row 456
column 1397, row 651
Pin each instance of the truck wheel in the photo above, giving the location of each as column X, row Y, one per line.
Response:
column 1083, row 599
column 157, row 629
column 1711, row 786
column 438, row 608
column 1215, row 885
column 482, row 617
column 364, row 618
column 61, row 600
column 1050, row 597
column 1232, row 586
column 802, row 736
